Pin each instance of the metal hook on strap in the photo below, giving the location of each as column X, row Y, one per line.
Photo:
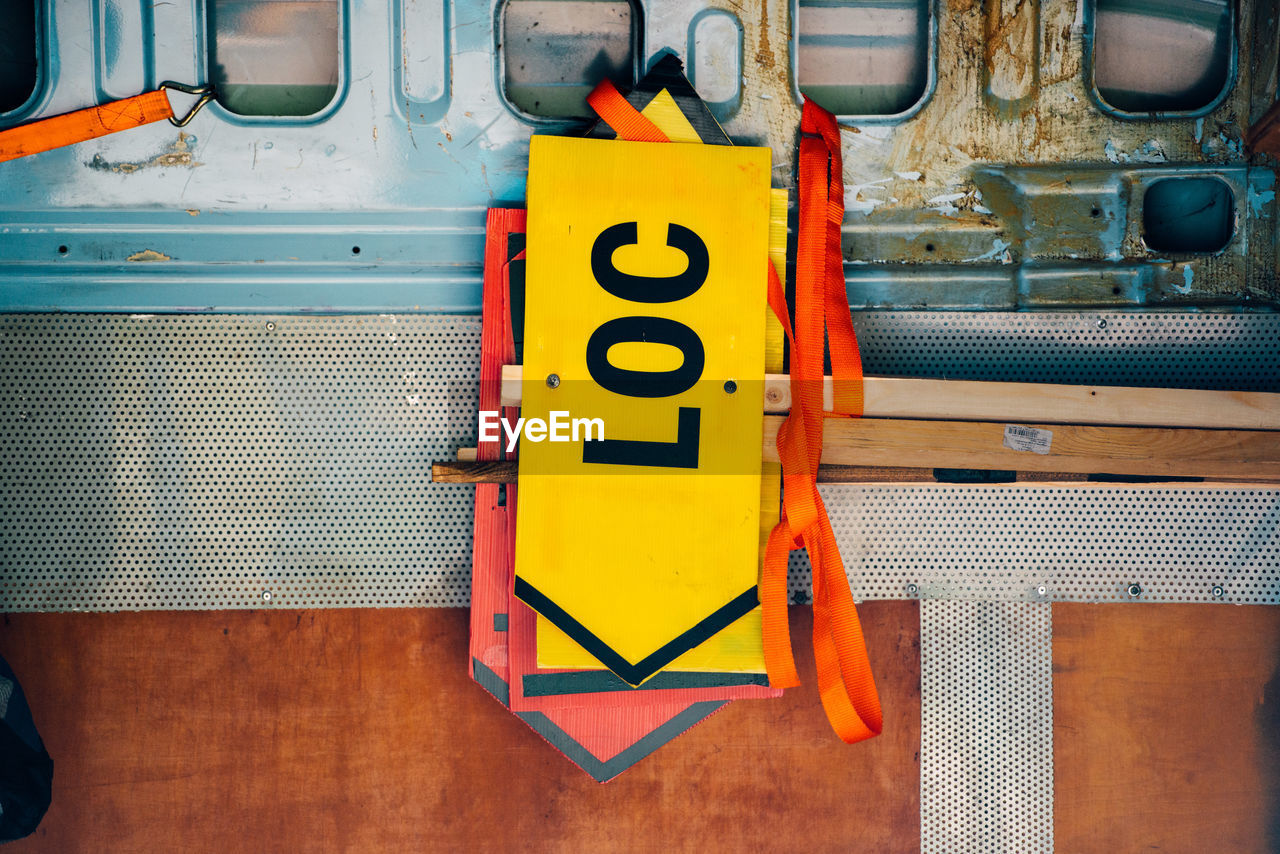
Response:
column 93, row 122
column 206, row 93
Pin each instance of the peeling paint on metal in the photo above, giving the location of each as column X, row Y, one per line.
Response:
column 855, row 200
column 945, row 204
column 874, row 137
column 177, row 154
column 1260, row 193
column 1150, row 151
column 148, row 255
column 999, row 249
column 1188, row 276
column 977, row 207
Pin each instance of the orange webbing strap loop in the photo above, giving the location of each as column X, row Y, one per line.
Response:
column 627, row 122
column 70, row 128
column 846, row 362
column 845, row 681
column 775, row 628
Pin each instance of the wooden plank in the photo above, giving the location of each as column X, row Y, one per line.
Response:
column 359, row 730
column 1166, row 728
column 874, row 474
column 963, row 400
column 507, row 471
column 475, row 471
column 468, row 470
column 1144, row 451
column 1225, row 455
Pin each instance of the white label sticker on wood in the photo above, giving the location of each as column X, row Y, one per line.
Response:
column 1019, row 437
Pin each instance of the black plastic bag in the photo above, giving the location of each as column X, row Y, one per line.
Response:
column 26, row 769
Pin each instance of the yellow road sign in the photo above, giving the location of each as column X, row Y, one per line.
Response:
column 645, row 299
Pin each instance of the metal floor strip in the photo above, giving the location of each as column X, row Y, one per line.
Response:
column 1118, row 543
column 986, row 729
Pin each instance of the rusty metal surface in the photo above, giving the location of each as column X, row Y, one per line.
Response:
column 1008, row 183
column 1043, row 193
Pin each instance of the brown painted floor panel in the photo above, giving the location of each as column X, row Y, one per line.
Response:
column 1166, row 728
column 359, row 730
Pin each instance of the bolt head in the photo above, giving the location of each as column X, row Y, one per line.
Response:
column 266, row 595
column 271, row 326
column 1134, row 590
column 730, row 386
column 912, row 590
column 553, row 380
column 1218, row 591
column 1102, row 323
column 1042, row 590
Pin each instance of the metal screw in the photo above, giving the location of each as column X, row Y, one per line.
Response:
column 1041, row 590
column 912, row 590
column 553, row 380
column 730, row 386
column 1218, row 592
column 266, row 595
column 271, row 326
column 1134, row 590
column 1102, row 323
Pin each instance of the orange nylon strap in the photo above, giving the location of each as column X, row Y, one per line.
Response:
column 775, row 628
column 846, row 361
column 70, row 128
column 627, row 122
column 845, row 681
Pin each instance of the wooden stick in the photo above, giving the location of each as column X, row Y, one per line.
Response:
column 468, row 470
column 963, row 400
column 1142, row 451
column 1249, row 455
column 506, row 471
column 475, row 471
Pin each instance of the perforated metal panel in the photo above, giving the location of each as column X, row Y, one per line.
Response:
column 986, row 730
column 1161, row 350
column 184, row 461
column 1084, row 543
column 1080, row 543
column 233, row 461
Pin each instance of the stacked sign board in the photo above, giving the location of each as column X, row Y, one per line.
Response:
column 622, row 609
